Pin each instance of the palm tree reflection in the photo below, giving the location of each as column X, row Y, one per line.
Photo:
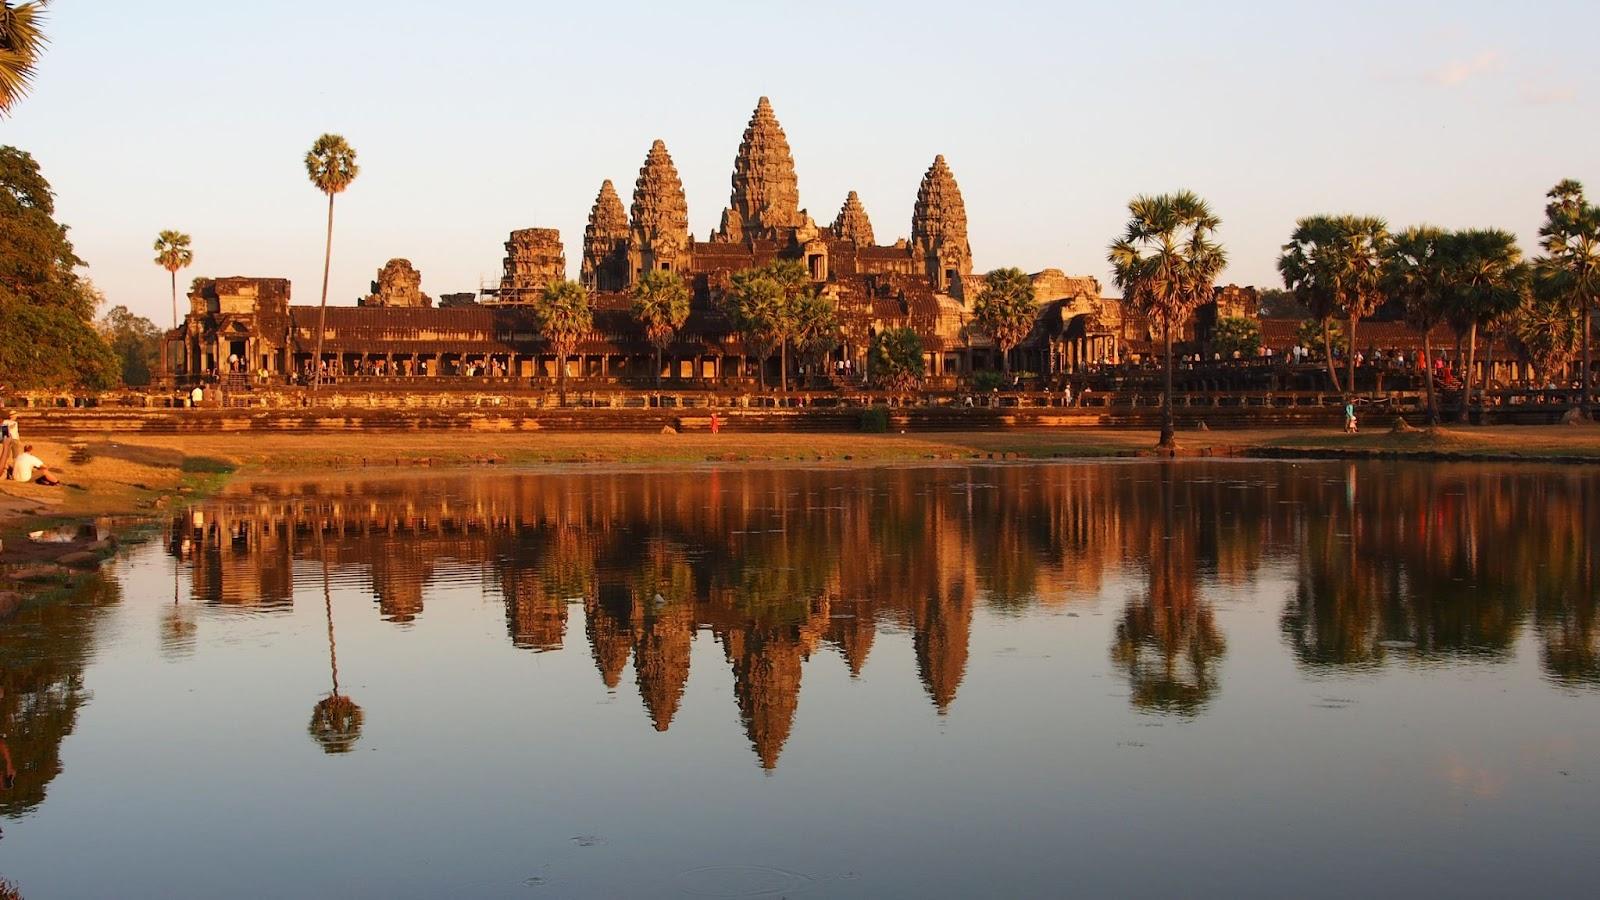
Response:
column 336, row 719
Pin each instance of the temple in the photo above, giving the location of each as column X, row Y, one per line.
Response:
column 246, row 327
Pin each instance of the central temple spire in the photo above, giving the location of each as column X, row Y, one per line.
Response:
column 766, row 193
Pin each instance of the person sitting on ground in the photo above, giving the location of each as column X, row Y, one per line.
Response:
column 31, row 468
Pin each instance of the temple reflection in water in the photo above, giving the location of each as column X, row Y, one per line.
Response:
column 1418, row 564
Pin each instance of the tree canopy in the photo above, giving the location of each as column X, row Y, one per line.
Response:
column 896, row 359
column 563, row 316
column 1335, row 266
column 135, row 340
column 1005, row 309
column 46, row 336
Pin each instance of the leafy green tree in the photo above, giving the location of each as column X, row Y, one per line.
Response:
column 47, row 339
column 896, row 359
column 1570, row 237
column 135, row 340
column 1548, row 331
column 1166, row 264
column 331, row 166
column 22, row 40
column 1236, row 334
column 563, row 316
column 172, row 254
column 1485, row 280
column 1415, row 273
column 1334, row 265
column 1278, row 303
column 816, row 329
column 1005, row 310
column 757, row 307
column 661, row 304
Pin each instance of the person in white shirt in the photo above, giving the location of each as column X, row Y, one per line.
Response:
column 31, row 468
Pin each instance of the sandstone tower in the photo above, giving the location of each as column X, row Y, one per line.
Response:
column 659, row 231
column 534, row 258
column 852, row 223
column 766, row 195
column 398, row 284
column 939, row 229
column 605, row 243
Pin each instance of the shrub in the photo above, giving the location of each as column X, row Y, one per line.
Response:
column 875, row 420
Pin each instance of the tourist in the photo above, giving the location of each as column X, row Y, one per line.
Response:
column 196, row 395
column 1349, row 417
column 31, row 468
column 1066, row 395
column 10, row 444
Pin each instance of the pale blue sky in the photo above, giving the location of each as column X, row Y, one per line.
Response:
column 474, row 118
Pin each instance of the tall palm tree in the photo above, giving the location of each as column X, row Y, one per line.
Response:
column 1485, row 279
column 563, row 316
column 1571, row 240
column 1166, row 264
column 172, row 254
column 22, row 39
column 661, row 304
column 1334, row 264
column 757, row 305
column 816, row 328
column 1006, row 310
column 1415, row 274
column 1548, row 329
column 331, row 166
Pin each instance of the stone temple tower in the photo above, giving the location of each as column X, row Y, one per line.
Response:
column 605, row 243
column 939, row 229
column 766, row 195
column 852, row 223
column 658, row 236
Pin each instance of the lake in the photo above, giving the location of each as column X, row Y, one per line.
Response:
column 1207, row 678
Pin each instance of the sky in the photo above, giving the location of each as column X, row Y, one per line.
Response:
column 471, row 119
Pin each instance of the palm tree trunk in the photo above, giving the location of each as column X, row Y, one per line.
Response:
column 1005, row 360
column 658, row 367
column 1427, row 368
column 1168, row 432
column 1584, row 400
column 783, row 366
column 561, row 378
column 1485, row 382
column 1350, row 353
column 1467, row 376
column 174, row 274
column 1327, row 351
column 327, row 602
column 322, row 315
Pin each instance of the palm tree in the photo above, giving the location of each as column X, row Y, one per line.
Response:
column 1166, row 264
column 816, row 329
column 331, row 165
column 1415, row 273
column 1571, row 241
column 1485, row 279
column 661, row 304
column 755, row 305
column 1005, row 310
column 21, row 41
column 1548, row 329
column 172, row 254
column 563, row 316
column 1334, row 264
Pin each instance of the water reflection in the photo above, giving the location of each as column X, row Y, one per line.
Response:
column 1401, row 563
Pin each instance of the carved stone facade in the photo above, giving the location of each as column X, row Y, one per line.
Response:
column 534, row 258
column 605, row 243
column 398, row 284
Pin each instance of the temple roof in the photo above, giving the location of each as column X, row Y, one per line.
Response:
column 852, row 223
column 939, row 214
column 660, row 211
column 766, row 193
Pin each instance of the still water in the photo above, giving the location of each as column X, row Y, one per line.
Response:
column 1201, row 678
